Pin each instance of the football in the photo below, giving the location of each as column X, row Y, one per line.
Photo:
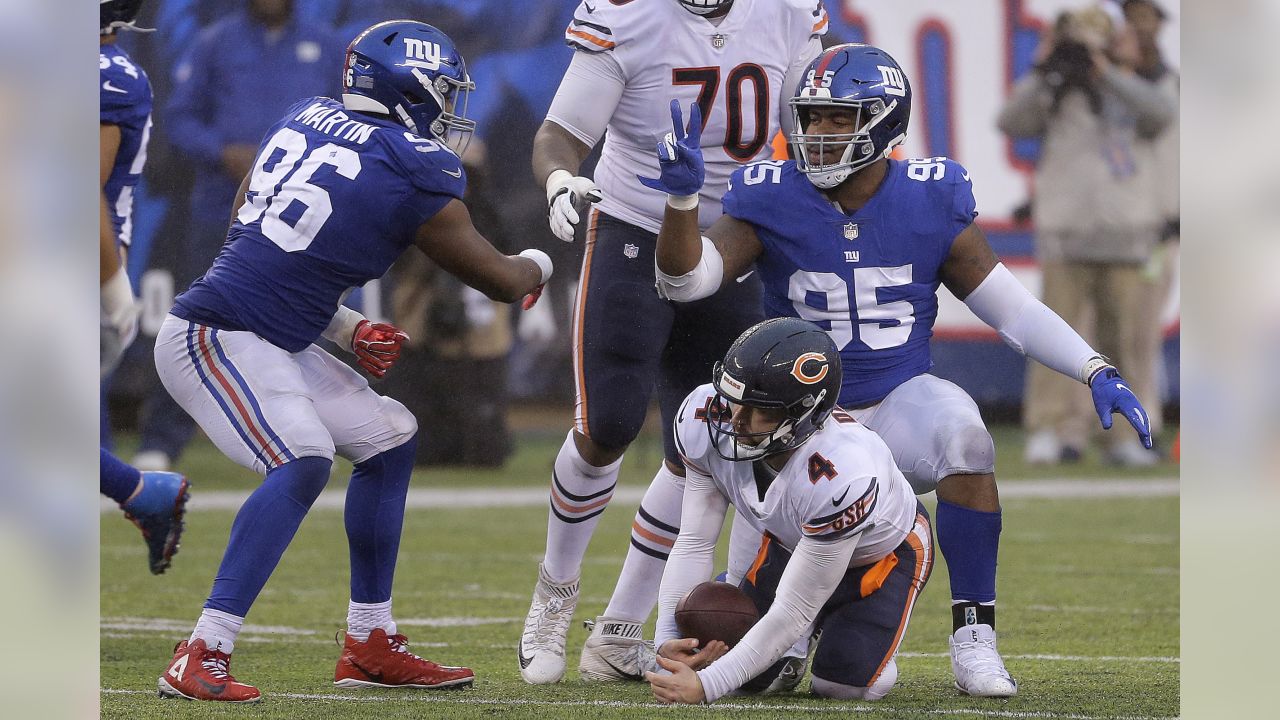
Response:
column 715, row 611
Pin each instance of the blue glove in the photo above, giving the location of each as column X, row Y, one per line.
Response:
column 1112, row 395
column 679, row 155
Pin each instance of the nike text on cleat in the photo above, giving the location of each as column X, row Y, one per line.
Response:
column 158, row 510
column 385, row 661
column 616, row 650
column 977, row 665
column 546, row 628
column 198, row 673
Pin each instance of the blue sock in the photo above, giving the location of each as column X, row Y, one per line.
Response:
column 262, row 530
column 117, row 480
column 374, row 516
column 969, row 540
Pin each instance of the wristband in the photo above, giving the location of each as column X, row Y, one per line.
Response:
column 342, row 328
column 682, row 202
column 117, row 294
column 543, row 261
column 1096, row 364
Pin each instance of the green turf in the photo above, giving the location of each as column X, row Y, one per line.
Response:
column 1088, row 622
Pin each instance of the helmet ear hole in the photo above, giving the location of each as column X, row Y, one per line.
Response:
column 413, row 97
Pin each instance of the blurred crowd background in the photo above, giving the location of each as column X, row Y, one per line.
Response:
column 224, row 70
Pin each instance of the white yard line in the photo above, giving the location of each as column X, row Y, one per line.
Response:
column 450, row 498
column 844, row 708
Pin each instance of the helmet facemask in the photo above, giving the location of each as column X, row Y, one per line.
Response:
column 793, row 430
column 705, row 7
column 452, row 126
column 859, row 148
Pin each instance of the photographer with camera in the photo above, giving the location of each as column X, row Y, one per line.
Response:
column 1096, row 215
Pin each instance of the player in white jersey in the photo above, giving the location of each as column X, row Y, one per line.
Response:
column 732, row 57
column 847, row 548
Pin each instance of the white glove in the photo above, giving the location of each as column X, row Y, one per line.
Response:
column 564, row 192
column 119, row 320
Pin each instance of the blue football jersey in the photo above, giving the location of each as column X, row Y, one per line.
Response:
column 334, row 198
column 869, row 278
column 124, row 101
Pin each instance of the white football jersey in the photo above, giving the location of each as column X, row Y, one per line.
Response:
column 841, row 482
column 735, row 71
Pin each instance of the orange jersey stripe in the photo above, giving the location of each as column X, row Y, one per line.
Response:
column 755, row 566
column 651, row 536
column 579, row 317
column 924, row 565
column 599, row 42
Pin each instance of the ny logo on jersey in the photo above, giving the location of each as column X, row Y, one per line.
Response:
column 422, row 54
column 851, row 256
column 893, row 82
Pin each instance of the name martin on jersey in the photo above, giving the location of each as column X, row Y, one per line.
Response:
column 335, row 122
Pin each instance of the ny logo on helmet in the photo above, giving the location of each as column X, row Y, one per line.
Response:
column 799, row 372
column 893, row 82
column 421, row 54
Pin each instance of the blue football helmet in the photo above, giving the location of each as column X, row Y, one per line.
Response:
column 705, row 7
column 865, row 80
column 413, row 73
column 116, row 15
column 784, row 364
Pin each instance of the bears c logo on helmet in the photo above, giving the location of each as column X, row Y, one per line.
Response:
column 799, row 372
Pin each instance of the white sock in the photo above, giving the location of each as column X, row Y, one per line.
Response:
column 579, row 494
column 362, row 618
column 218, row 630
column 653, row 533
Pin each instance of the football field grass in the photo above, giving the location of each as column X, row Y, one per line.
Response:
column 1089, row 583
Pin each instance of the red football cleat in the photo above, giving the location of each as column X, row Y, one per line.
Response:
column 198, row 673
column 385, row 661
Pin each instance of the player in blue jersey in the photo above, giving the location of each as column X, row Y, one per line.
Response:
column 337, row 192
column 859, row 243
column 154, row 501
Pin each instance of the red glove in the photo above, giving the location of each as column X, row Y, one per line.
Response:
column 532, row 298
column 377, row 346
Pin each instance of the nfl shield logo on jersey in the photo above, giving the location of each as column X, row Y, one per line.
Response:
column 717, row 41
column 851, row 231
column 631, row 251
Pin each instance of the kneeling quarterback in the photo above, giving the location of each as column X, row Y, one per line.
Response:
column 847, row 548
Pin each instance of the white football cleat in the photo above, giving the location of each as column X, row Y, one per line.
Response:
column 546, row 628
column 616, row 651
column 979, row 670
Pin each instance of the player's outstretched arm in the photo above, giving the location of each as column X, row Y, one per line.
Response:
column 973, row 273
column 119, row 315
column 452, row 242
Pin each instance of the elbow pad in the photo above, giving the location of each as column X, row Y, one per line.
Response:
column 1028, row 325
column 702, row 281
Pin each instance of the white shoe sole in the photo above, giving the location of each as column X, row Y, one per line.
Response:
column 351, row 683
column 987, row 695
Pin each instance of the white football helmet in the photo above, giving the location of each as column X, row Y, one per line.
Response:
column 705, row 7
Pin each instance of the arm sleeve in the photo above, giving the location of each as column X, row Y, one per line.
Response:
column 692, row 557
column 588, row 95
column 189, row 112
column 1028, row 325
column 808, row 581
column 1026, row 112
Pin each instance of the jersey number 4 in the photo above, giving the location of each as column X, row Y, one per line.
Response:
column 708, row 81
column 823, row 298
column 292, row 208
